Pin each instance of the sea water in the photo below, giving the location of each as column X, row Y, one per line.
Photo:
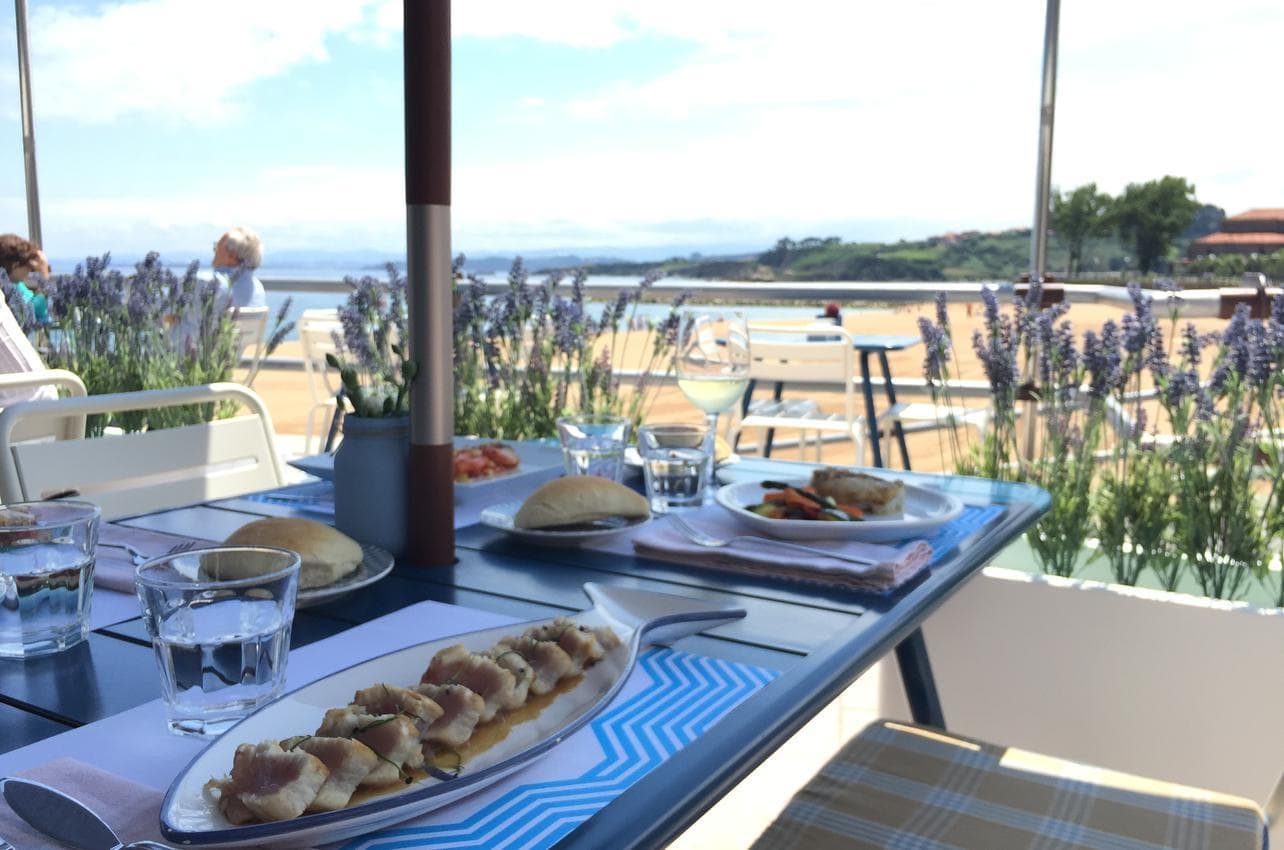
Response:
column 45, row 592
column 219, row 660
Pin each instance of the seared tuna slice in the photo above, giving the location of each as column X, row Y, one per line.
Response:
column 270, row 783
column 446, row 664
column 512, row 661
column 391, row 699
column 348, row 761
column 548, row 661
column 393, row 737
column 462, row 711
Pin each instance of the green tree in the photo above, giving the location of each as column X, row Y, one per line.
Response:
column 1078, row 216
column 1150, row 216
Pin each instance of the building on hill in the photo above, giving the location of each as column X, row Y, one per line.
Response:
column 1258, row 231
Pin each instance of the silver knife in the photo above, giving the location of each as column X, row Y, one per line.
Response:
column 64, row 818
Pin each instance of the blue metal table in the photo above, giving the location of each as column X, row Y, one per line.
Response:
column 821, row 640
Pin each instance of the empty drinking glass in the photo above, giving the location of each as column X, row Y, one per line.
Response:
column 674, row 462
column 219, row 619
column 46, row 575
column 593, row 444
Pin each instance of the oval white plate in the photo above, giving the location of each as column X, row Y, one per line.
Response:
column 375, row 564
column 501, row 517
column 925, row 511
column 188, row 817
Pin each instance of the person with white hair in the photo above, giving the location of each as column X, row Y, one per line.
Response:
column 236, row 255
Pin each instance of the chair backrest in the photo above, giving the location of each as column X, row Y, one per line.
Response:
column 148, row 471
column 803, row 355
column 251, row 325
column 317, row 336
column 58, row 427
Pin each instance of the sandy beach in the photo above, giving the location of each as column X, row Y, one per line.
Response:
column 287, row 395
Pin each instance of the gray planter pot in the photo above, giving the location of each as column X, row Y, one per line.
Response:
column 370, row 481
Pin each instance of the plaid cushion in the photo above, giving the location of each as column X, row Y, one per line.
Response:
column 901, row 787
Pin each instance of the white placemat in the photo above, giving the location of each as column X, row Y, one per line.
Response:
column 670, row 698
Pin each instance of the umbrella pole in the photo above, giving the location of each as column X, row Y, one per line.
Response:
column 1042, row 193
column 28, row 125
column 1047, row 110
column 430, row 491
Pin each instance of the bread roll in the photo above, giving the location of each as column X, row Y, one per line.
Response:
column 327, row 555
column 874, row 496
column 578, row 499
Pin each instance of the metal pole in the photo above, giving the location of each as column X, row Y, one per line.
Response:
column 28, row 125
column 1042, row 195
column 1047, row 109
column 430, row 496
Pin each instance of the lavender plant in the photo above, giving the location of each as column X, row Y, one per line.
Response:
column 533, row 353
column 378, row 374
column 150, row 329
column 1196, row 491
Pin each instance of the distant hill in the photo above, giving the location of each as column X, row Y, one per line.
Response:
column 971, row 255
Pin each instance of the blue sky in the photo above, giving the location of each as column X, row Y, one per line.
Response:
column 663, row 125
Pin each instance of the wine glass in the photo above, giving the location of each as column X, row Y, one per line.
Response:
column 713, row 368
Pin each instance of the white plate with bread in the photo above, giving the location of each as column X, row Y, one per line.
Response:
column 571, row 510
column 333, row 565
column 893, row 509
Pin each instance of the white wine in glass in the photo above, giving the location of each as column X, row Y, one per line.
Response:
column 713, row 367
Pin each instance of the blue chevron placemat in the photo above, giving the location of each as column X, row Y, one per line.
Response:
column 973, row 519
column 313, row 496
column 672, row 698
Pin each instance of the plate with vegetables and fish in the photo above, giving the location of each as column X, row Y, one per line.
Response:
column 839, row 504
column 414, row 730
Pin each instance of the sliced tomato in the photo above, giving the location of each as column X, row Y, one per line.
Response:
column 501, row 455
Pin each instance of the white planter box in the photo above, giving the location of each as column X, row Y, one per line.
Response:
column 1160, row 684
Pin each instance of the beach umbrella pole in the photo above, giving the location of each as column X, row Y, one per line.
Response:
column 1047, row 110
column 430, row 496
column 28, row 124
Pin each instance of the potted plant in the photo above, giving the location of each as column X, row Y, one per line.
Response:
column 370, row 463
column 1160, row 447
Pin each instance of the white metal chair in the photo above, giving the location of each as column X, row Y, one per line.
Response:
column 12, row 387
column 251, row 328
column 147, row 471
column 781, row 354
column 317, row 330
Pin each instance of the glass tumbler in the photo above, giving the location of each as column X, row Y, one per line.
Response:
column 219, row 619
column 46, row 575
column 674, row 464
column 593, row 444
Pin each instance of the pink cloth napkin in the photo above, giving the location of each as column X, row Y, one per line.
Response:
column 113, row 566
column 130, row 809
column 894, row 565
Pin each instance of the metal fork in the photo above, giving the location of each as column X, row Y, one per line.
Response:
column 701, row 538
column 139, row 557
column 5, row 845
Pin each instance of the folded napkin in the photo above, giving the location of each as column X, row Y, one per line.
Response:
column 894, row 565
column 130, row 809
column 113, row 566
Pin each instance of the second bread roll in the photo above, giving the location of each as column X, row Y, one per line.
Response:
column 578, row 499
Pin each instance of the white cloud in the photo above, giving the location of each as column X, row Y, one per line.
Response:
column 796, row 120
column 182, row 59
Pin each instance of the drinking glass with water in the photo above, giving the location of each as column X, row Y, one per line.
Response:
column 46, row 576
column 219, row 619
column 593, row 444
column 674, row 463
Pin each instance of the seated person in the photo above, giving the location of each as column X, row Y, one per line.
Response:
column 20, row 260
column 236, row 255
